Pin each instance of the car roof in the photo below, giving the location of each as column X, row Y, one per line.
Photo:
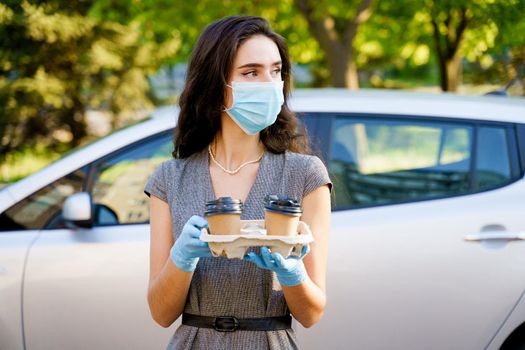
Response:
column 392, row 102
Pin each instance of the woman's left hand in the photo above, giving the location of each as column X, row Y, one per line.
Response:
column 290, row 271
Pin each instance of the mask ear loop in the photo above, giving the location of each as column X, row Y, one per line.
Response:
column 233, row 100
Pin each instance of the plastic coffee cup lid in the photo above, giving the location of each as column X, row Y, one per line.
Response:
column 283, row 205
column 223, row 205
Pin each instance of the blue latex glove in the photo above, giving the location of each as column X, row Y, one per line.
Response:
column 290, row 271
column 188, row 248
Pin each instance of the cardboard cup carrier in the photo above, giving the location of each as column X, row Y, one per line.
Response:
column 231, row 237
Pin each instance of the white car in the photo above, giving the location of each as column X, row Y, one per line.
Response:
column 427, row 243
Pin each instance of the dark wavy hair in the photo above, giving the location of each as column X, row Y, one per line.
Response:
column 202, row 99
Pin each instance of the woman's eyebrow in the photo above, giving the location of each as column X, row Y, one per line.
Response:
column 258, row 65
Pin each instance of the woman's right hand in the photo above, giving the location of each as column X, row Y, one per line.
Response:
column 290, row 271
column 188, row 248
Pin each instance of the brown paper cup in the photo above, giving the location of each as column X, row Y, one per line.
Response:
column 280, row 224
column 224, row 224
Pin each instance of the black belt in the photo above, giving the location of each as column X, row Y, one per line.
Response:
column 232, row 324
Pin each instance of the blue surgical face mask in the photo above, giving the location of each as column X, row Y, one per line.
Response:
column 255, row 105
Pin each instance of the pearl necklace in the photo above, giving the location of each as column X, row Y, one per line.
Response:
column 233, row 172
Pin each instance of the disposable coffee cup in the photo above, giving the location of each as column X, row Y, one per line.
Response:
column 224, row 216
column 281, row 216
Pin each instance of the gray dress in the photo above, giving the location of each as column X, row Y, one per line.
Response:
column 223, row 287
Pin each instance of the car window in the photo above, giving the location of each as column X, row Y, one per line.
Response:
column 376, row 161
column 492, row 158
column 119, row 180
column 42, row 208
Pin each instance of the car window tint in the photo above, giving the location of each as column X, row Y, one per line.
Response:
column 117, row 191
column 43, row 207
column 492, row 158
column 380, row 161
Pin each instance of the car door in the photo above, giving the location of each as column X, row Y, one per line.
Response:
column 422, row 250
column 13, row 249
column 20, row 225
column 87, row 288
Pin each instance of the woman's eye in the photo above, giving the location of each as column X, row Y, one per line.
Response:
column 250, row 74
column 277, row 71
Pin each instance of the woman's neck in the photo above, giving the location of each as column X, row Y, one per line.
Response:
column 233, row 147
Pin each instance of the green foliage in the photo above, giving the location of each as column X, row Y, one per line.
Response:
column 398, row 39
column 60, row 59
column 18, row 164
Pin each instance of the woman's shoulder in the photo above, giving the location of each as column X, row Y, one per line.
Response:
column 310, row 167
column 166, row 166
column 169, row 174
column 301, row 160
column 171, row 164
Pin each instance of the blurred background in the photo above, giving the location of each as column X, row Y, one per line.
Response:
column 73, row 71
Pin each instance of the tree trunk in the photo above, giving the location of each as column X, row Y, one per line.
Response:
column 344, row 74
column 443, row 76
column 453, row 73
column 337, row 45
column 449, row 70
column 343, row 71
column 352, row 78
column 447, row 45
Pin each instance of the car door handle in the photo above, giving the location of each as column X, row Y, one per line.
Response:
column 495, row 236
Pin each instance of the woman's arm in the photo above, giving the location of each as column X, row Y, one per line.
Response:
column 168, row 285
column 307, row 300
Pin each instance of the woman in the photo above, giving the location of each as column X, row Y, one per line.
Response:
column 236, row 137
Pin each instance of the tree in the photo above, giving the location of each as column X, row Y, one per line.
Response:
column 61, row 58
column 389, row 46
column 334, row 27
column 412, row 35
column 449, row 21
column 509, row 50
column 453, row 20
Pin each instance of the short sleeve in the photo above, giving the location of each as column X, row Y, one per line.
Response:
column 156, row 184
column 316, row 175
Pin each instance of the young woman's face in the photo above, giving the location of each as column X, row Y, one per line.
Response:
column 257, row 60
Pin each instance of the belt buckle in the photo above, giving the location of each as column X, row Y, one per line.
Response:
column 225, row 323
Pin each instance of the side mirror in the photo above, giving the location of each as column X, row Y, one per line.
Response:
column 77, row 211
